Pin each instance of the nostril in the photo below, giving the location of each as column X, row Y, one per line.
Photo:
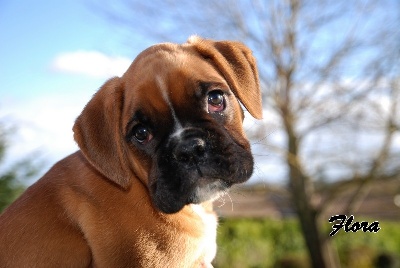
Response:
column 189, row 150
column 199, row 146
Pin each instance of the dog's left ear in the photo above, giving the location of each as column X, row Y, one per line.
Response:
column 238, row 66
column 98, row 132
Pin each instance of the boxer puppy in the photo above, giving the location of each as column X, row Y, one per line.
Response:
column 157, row 146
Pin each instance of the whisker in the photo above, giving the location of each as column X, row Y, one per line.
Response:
column 230, row 200
column 261, row 154
column 222, row 200
column 260, row 140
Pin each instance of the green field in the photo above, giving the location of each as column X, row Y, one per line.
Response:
column 260, row 243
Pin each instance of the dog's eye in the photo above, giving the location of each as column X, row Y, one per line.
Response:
column 142, row 133
column 216, row 101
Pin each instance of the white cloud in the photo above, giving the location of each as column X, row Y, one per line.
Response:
column 43, row 126
column 90, row 63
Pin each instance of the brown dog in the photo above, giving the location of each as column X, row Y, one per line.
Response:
column 156, row 147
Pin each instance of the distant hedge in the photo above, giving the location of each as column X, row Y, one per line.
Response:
column 256, row 243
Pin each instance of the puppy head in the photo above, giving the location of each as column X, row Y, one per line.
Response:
column 174, row 121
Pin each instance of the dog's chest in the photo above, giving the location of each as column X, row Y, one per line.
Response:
column 208, row 243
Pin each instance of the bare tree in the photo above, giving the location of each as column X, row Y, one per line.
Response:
column 330, row 74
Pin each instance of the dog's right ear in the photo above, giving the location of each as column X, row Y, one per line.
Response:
column 99, row 135
column 237, row 64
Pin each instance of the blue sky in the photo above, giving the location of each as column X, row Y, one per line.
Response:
column 33, row 33
column 54, row 56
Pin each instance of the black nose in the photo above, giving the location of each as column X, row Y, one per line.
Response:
column 190, row 150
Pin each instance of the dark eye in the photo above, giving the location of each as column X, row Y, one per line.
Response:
column 141, row 133
column 216, row 101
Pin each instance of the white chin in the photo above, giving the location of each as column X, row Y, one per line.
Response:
column 210, row 191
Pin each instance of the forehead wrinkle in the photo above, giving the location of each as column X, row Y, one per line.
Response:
column 164, row 93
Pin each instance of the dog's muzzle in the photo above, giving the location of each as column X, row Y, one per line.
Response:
column 198, row 165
